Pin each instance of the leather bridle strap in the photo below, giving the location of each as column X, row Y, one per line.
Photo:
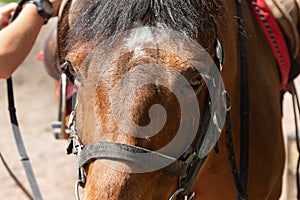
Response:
column 188, row 181
column 244, row 140
column 186, row 167
column 230, row 149
column 296, row 108
column 20, row 144
column 130, row 155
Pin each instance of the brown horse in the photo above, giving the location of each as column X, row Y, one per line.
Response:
column 112, row 47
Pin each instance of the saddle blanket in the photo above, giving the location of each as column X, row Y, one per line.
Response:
column 275, row 38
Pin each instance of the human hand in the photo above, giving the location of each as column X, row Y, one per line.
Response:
column 5, row 13
column 56, row 5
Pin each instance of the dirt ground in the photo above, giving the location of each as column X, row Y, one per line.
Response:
column 36, row 109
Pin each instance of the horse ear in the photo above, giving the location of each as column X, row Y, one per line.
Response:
column 71, row 16
column 66, row 6
column 62, row 7
column 79, row 51
column 62, row 30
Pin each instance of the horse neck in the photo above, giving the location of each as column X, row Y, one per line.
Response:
column 264, row 101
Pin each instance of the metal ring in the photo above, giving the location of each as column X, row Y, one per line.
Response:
column 77, row 190
column 192, row 196
column 64, row 66
column 63, row 104
column 226, row 100
column 176, row 193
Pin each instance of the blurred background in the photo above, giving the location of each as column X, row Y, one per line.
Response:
column 54, row 170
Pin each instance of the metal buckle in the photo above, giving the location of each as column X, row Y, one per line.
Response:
column 176, row 193
column 58, row 131
column 186, row 197
column 220, row 53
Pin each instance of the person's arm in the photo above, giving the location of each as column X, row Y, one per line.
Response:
column 17, row 39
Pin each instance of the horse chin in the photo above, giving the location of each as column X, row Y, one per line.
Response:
column 112, row 184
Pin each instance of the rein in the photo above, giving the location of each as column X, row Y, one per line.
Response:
column 20, row 144
column 244, row 112
column 18, row 137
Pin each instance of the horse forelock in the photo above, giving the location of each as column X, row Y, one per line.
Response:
column 94, row 20
column 119, row 80
column 115, row 69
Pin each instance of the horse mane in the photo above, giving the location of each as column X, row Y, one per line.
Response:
column 96, row 19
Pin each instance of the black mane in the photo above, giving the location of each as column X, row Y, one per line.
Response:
column 105, row 18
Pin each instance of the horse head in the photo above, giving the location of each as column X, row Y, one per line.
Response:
column 150, row 102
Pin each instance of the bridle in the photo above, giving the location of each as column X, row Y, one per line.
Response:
column 186, row 168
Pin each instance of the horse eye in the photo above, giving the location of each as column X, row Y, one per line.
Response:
column 196, row 82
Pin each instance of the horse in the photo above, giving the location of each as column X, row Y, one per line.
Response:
column 128, row 58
